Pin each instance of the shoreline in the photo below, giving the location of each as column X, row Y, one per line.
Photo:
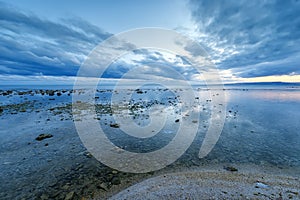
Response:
column 59, row 166
column 213, row 182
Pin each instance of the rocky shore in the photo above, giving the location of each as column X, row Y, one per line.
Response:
column 42, row 156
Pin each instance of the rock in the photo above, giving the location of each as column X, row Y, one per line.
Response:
column 66, row 187
column 293, row 192
column 138, row 91
column 50, row 92
column 115, row 181
column 177, row 120
column 115, row 125
column 88, row 155
column 261, row 185
column 43, row 136
column 103, row 186
column 44, row 197
column 1, row 110
column 70, row 195
column 230, row 168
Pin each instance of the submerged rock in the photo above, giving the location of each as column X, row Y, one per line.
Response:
column 261, row 185
column 43, row 136
column 115, row 180
column 70, row 195
column 115, row 125
column 230, row 168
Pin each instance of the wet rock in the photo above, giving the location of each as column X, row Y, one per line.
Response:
column 138, row 91
column 115, row 180
column 70, row 195
column 115, row 125
column 44, row 197
column 50, row 92
column 293, row 192
column 23, row 110
column 43, row 136
column 103, row 186
column 21, row 93
column 88, row 155
column 230, row 168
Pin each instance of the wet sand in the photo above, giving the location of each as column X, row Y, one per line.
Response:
column 211, row 182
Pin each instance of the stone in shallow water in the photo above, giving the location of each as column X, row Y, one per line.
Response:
column 230, row 168
column 70, row 195
column 115, row 125
column 115, row 180
column 261, row 185
column 43, row 136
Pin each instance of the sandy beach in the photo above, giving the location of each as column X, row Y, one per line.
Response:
column 211, row 182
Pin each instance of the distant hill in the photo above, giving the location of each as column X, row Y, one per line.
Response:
column 265, row 83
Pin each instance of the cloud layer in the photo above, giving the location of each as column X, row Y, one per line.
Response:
column 30, row 45
column 245, row 39
column 250, row 38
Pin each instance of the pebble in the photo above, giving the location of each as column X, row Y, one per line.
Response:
column 230, row 168
column 103, row 186
column 44, row 197
column 114, row 125
column 115, row 181
column 70, row 195
column 261, row 185
column 43, row 136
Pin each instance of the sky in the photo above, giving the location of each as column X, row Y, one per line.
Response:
column 248, row 41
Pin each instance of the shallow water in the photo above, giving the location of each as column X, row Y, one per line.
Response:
column 261, row 127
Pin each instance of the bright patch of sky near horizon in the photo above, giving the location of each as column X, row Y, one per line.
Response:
column 248, row 41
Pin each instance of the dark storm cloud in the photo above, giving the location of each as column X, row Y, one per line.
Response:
column 30, row 45
column 249, row 35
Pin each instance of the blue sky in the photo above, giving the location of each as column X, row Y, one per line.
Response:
column 44, row 41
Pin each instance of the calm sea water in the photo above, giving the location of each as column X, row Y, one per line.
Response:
column 262, row 124
column 262, row 127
